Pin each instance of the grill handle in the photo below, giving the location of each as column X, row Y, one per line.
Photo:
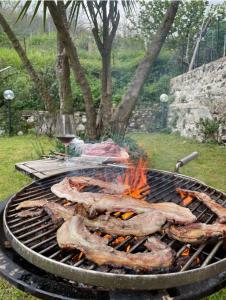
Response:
column 180, row 163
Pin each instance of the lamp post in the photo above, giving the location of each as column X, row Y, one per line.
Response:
column 9, row 96
column 164, row 99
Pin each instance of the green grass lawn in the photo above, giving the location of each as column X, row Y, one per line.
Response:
column 163, row 152
column 13, row 150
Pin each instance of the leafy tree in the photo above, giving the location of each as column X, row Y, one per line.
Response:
column 104, row 31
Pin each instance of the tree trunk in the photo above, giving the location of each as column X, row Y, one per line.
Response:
column 63, row 74
column 105, row 109
column 76, row 67
column 40, row 85
column 104, row 36
column 124, row 110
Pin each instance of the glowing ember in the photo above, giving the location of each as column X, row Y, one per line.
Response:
column 197, row 260
column 128, row 248
column 66, row 203
column 182, row 194
column 187, row 200
column 186, row 252
column 127, row 215
column 117, row 214
column 118, row 241
column 107, row 236
column 135, row 177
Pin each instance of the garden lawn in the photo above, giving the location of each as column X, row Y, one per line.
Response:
column 13, row 150
column 163, row 152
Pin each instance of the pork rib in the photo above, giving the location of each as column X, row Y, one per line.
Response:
column 112, row 203
column 196, row 233
column 219, row 210
column 107, row 187
column 74, row 235
column 140, row 225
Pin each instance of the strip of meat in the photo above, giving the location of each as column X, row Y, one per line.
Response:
column 219, row 210
column 58, row 212
column 74, row 235
column 30, row 213
column 196, row 233
column 112, row 203
column 55, row 210
column 140, row 225
column 107, row 187
column 32, row 203
column 174, row 212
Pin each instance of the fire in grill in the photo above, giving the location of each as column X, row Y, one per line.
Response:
column 35, row 238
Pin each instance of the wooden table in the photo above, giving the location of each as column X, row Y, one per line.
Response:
column 50, row 166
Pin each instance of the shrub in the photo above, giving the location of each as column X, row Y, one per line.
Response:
column 209, row 128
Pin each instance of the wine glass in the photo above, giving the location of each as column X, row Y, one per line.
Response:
column 65, row 132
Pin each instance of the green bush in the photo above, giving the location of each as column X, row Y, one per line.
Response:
column 209, row 128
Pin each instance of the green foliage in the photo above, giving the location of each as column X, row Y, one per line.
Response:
column 60, row 148
column 209, row 128
column 188, row 19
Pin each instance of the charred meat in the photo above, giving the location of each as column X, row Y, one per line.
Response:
column 54, row 210
column 112, row 203
column 107, row 187
column 196, row 233
column 73, row 234
column 219, row 210
column 140, row 225
column 32, row 203
column 30, row 213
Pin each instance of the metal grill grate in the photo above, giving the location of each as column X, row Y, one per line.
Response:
column 39, row 233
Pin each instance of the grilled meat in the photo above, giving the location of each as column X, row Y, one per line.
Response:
column 74, row 235
column 107, row 187
column 58, row 212
column 195, row 233
column 174, row 212
column 112, row 203
column 219, row 210
column 30, row 213
column 140, row 225
column 54, row 210
column 32, row 203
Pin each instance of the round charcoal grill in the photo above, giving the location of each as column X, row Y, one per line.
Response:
column 35, row 238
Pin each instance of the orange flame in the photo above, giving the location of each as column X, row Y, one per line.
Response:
column 107, row 236
column 186, row 252
column 127, row 215
column 187, row 200
column 118, row 241
column 135, row 177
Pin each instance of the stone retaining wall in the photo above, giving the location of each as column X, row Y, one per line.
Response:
column 144, row 119
column 200, row 93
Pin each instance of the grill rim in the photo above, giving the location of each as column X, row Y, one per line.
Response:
column 111, row 280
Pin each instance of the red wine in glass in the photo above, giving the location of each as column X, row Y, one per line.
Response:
column 66, row 139
column 65, row 132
